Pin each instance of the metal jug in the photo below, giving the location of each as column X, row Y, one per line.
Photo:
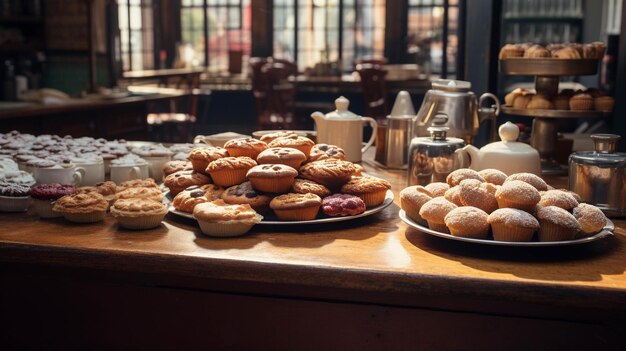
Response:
column 454, row 99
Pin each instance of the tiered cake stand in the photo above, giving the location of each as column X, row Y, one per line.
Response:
column 545, row 124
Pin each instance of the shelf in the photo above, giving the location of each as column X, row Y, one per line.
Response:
column 553, row 113
column 548, row 67
column 539, row 19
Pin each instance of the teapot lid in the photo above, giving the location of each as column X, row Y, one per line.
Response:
column 451, row 85
column 342, row 112
column 508, row 133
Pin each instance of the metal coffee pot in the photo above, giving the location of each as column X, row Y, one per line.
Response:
column 454, row 99
column 599, row 176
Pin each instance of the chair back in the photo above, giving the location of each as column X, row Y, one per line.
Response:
column 281, row 98
column 374, row 89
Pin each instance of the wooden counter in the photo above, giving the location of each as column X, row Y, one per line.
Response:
column 370, row 283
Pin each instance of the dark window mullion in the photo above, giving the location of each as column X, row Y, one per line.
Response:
column 205, row 16
column 130, row 34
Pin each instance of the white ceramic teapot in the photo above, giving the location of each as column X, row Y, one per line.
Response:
column 509, row 155
column 344, row 129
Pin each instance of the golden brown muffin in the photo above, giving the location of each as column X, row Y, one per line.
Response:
column 371, row 190
column 604, row 103
column 301, row 143
column 556, row 224
column 171, row 167
column 244, row 194
column 201, row 157
column 459, row 175
column 581, row 102
column 590, row 218
column 282, row 155
column 296, row 207
column 434, row 212
column 412, row 199
column 518, row 194
column 600, row 49
column 529, row 178
column 358, row 169
column 511, row 224
column 561, row 102
column 228, row 171
column 305, row 186
column 437, row 189
column 82, row 207
column 510, row 97
column 558, row 198
column 267, row 138
column 212, row 191
column 493, row 176
column 452, row 195
column 568, row 52
column 324, row 151
column 331, row 173
column 138, row 213
column 219, row 219
column 181, row 180
column 510, row 50
column 537, row 51
column 478, row 194
column 136, row 183
column 248, row 147
column 187, row 199
column 272, row 178
column 521, row 101
column 140, row 193
column 467, row 222
column 539, row 102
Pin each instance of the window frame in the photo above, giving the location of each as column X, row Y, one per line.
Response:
column 127, row 53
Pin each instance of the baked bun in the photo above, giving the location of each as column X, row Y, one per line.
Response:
column 517, row 194
column 590, row 218
column 511, row 224
column 434, row 212
column 467, row 222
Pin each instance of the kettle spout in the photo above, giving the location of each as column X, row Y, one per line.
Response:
column 474, row 156
column 317, row 116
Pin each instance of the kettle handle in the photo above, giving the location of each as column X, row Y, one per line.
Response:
column 485, row 96
column 489, row 116
column 374, row 125
column 464, row 157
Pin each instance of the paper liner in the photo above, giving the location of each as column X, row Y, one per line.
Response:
column 465, row 234
column 224, row 229
column 229, row 177
column 43, row 208
column 299, row 214
column 412, row 211
column 503, row 203
column 502, row 232
column 553, row 232
column 140, row 222
column 88, row 217
column 581, row 105
column 272, row 185
column 373, row 199
column 438, row 227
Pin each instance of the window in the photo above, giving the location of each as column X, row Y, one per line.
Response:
column 213, row 28
column 137, row 34
column 328, row 31
column 433, row 34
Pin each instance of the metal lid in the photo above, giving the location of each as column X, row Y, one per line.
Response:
column 451, row 85
column 604, row 154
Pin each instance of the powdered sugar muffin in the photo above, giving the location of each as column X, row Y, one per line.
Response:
column 556, row 224
column 518, row 194
column 434, row 212
column 437, row 189
column 371, row 189
column 412, row 199
column 229, row 171
column 590, row 218
column 511, row 224
column 82, row 207
column 248, row 147
column 529, row 178
column 453, row 195
column 558, row 198
column 138, row 213
column 467, row 222
column 493, row 176
column 458, row 175
column 479, row 194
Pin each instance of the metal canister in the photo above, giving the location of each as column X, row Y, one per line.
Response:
column 432, row 158
column 399, row 133
column 599, row 176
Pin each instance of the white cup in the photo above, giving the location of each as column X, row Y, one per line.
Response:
column 122, row 173
column 68, row 175
column 94, row 172
column 155, row 165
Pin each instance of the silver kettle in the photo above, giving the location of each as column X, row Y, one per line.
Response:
column 454, row 99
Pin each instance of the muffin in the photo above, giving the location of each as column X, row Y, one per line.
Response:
column 518, row 194
column 561, row 102
column 181, row 180
column 529, row 178
column 44, row 195
column 296, row 207
column 212, row 191
column 342, row 205
column 437, row 189
column 537, row 51
column 187, row 199
column 371, row 189
column 244, row 194
column 331, row 173
column 220, row 219
column 600, row 49
column 137, row 183
column 412, row 199
column 272, row 178
column 568, row 53
column 478, row 194
column 467, row 222
column 282, row 155
column 522, row 100
column 248, row 147
column 82, row 207
column 201, row 157
column 510, row 97
column 511, row 224
column 267, row 138
column 459, row 175
column 510, row 51
column 301, row 143
column 604, row 103
column 229, row 171
column 581, row 102
column 14, row 197
column 493, row 176
column 556, row 224
column 324, row 151
column 140, row 193
column 590, row 218
column 138, row 213
column 434, row 212
column 304, row 186
column 539, row 102
column 558, row 198
column 453, row 195
column 171, row 167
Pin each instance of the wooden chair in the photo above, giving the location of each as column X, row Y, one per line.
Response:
column 374, row 88
column 260, row 85
column 280, row 111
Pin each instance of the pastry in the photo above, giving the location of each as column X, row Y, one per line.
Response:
column 140, row 193
column 511, row 224
column 537, row 51
column 187, row 199
column 604, row 103
column 453, row 195
column 529, row 178
column 567, row 52
column 212, row 191
column 412, row 199
column 581, row 102
column 181, row 180
column 510, row 97
column 590, row 218
column 510, row 50
column 358, row 169
column 44, row 195
column 518, row 194
column 434, row 212
column 248, row 147
column 14, row 197
column 600, row 49
column 138, row 213
column 478, row 194
column 539, row 102
column 330, row 172
column 201, row 157
column 175, row 166
column 282, row 155
column 106, row 189
column 437, row 188
column 455, row 177
column 589, row 51
column 220, row 219
column 493, row 176
column 137, row 183
column 467, row 222
column 296, row 207
column 521, row 101
column 342, row 205
column 561, row 102
column 244, row 194
column 558, row 198
column 82, row 207
column 371, row 189
column 556, row 224
column 304, row 186
column 229, row 171
column 301, row 143
column 267, row 138
column 324, row 151
column 272, row 178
